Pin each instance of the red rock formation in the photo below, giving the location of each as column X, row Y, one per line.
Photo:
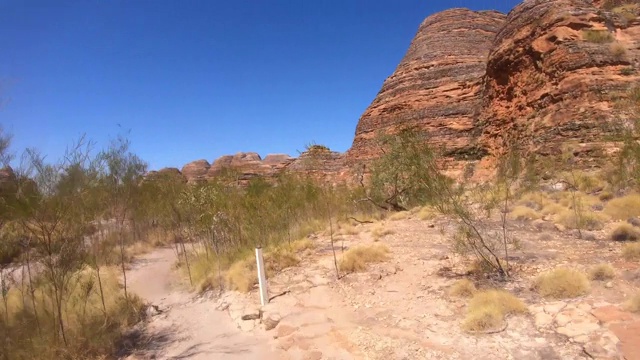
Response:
column 548, row 84
column 437, row 86
column 322, row 164
column 248, row 165
column 196, row 171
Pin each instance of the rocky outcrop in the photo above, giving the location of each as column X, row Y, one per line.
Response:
column 245, row 166
column 553, row 77
column 322, row 164
column 438, row 85
column 196, row 171
column 549, row 74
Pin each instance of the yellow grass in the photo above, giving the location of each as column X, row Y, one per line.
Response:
column 605, row 196
column 631, row 251
column 242, row 275
column 524, row 213
column 625, row 232
column 553, row 209
column 535, row 200
column 401, row 215
column 584, row 219
column 562, row 283
column 633, row 304
column 427, row 213
column 618, row 50
column 84, row 318
column 487, row 309
column 348, row 229
column 624, row 207
column 597, row 36
column 602, row 272
column 462, row 288
column 379, row 231
column 357, row 258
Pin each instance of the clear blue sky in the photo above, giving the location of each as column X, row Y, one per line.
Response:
column 200, row 79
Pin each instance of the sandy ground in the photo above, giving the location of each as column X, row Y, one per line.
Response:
column 399, row 309
column 187, row 327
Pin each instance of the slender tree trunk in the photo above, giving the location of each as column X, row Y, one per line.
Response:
column 186, row 260
column 122, row 260
column 333, row 249
column 33, row 293
column 504, row 231
column 58, row 294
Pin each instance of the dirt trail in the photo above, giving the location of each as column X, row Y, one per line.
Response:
column 187, row 327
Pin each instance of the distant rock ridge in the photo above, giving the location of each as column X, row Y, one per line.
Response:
column 474, row 80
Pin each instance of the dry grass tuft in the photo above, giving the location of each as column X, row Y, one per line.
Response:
column 379, row 231
column 605, row 196
column 618, row 50
column 553, row 209
column 241, row 275
column 625, row 232
column 487, row 309
column 347, row 228
column 631, row 251
column 633, row 304
column 401, row 215
column 602, row 272
column 524, row 213
column 597, row 36
column 562, row 283
column 357, row 258
column 427, row 213
column 584, row 219
column 624, row 207
column 463, row 288
column 535, row 200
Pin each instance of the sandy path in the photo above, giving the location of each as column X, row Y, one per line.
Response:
column 187, row 328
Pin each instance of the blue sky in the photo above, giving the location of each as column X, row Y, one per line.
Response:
column 200, row 79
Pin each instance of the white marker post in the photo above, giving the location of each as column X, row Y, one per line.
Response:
column 262, row 277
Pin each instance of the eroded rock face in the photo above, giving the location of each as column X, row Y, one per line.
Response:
column 244, row 166
column 321, row 164
column 437, row 86
column 196, row 171
column 549, row 84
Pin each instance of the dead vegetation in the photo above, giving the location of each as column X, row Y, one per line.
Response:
column 625, row 232
column 633, row 304
column 487, row 309
column 357, row 258
column 562, row 283
column 602, row 272
column 631, row 251
column 463, row 288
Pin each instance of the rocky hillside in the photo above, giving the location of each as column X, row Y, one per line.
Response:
column 548, row 74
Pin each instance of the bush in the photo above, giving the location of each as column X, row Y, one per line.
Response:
column 357, row 258
column 605, row 196
column 625, row 232
column 633, row 304
column 487, row 309
column 462, row 288
column 524, row 213
column 624, row 207
column 618, row 50
column 535, row 200
column 400, row 215
column 553, row 209
column 585, row 220
column 602, row 272
column 597, row 36
column 562, row 283
column 380, row 231
column 427, row 213
column 631, row 251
